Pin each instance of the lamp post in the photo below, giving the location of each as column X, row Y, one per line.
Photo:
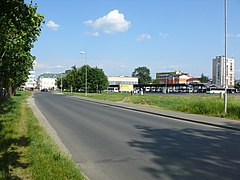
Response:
column 225, row 49
column 61, row 84
column 82, row 52
column 166, row 84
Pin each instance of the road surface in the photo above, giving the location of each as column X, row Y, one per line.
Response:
column 113, row 143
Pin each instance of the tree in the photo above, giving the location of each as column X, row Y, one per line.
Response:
column 76, row 78
column 237, row 85
column 204, row 79
column 143, row 75
column 98, row 80
column 156, row 81
column 20, row 25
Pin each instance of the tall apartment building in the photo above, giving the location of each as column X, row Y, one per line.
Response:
column 218, row 71
column 31, row 82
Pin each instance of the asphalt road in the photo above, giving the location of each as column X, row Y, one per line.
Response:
column 113, row 143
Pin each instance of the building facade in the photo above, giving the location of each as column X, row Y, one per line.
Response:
column 47, row 81
column 218, row 71
column 121, row 83
column 117, row 80
column 31, row 83
column 176, row 77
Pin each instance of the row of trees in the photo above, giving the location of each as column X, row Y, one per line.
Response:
column 20, row 25
column 75, row 79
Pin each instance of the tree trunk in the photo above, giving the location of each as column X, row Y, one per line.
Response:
column 14, row 91
column 1, row 88
column 10, row 92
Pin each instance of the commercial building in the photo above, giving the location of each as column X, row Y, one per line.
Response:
column 117, row 80
column 121, row 83
column 47, row 81
column 218, row 71
column 176, row 77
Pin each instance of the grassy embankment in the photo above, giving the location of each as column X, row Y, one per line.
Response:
column 211, row 105
column 26, row 151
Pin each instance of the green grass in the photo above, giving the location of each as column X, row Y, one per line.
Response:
column 192, row 104
column 26, row 151
column 104, row 96
column 211, row 105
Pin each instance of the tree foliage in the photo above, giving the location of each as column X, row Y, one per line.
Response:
column 143, row 75
column 20, row 25
column 237, row 85
column 155, row 81
column 204, row 79
column 75, row 79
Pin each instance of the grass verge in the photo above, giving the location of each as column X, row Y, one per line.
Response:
column 211, row 105
column 104, row 96
column 26, row 151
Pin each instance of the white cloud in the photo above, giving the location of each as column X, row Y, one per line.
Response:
column 233, row 35
column 44, row 66
column 143, row 37
column 123, row 66
column 52, row 25
column 95, row 34
column 163, row 35
column 113, row 22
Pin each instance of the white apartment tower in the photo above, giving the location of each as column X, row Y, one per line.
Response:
column 31, row 82
column 218, row 71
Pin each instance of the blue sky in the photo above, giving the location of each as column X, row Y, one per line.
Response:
column 121, row 35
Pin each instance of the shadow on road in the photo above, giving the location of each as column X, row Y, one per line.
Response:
column 190, row 153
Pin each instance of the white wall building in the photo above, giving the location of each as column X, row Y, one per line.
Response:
column 47, row 81
column 116, row 80
column 218, row 71
column 31, row 82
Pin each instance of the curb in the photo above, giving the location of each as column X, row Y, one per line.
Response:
column 50, row 130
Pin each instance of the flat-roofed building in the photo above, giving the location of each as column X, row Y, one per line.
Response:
column 31, row 83
column 121, row 83
column 117, row 80
column 218, row 71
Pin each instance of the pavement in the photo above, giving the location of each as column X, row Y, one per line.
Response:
column 201, row 119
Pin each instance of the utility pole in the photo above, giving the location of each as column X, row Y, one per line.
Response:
column 83, row 52
column 225, row 49
column 61, row 84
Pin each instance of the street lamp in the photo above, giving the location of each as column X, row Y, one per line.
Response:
column 82, row 52
column 166, row 83
column 61, row 83
column 225, row 49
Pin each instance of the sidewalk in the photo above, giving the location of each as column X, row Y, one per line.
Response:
column 207, row 120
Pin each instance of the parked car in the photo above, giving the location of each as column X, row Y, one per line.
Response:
column 44, row 90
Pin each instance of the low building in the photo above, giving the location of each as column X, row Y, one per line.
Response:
column 121, row 83
column 176, row 77
column 117, row 80
column 47, row 81
column 193, row 80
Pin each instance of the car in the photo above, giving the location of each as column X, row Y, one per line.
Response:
column 44, row 90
